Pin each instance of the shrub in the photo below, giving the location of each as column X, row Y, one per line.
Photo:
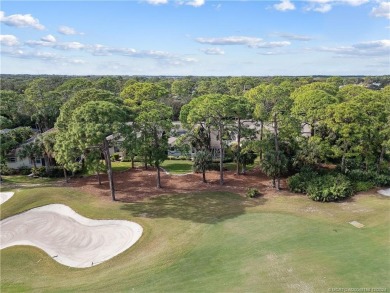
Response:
column 382, row 180
column 5, row 170
column 252, row 192
column 329, row 188
column 24, row 170
column 115, row 157
column 39, row 171
column 56, row 172
column 362, row 185
column 369, row 176
column 298, row 183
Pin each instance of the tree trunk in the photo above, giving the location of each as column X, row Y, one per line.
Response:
column 273, row 182
column 66, row 176
column 277, row 156
column 204, row 176
column 220, row 155
column 238, row 146
column 146, row 162
column 98, row 177
column 132, row 162
column 380, row 161
column 106, row 152
column 34, row 163
column 158, row 176
column 46, row 158
column 261, row 138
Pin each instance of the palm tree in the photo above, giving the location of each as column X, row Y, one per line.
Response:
column 29, row 150
column 202, row 162
column 45, row 142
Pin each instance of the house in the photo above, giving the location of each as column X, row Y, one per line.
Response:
column 214, row 139
column 13, row 161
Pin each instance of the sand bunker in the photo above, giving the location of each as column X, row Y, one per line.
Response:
column 385, row 192
column 4, row 196
column 68, row 237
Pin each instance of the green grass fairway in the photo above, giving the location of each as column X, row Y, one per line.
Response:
column 24, row 179
column 177, row 166
column 215, row 242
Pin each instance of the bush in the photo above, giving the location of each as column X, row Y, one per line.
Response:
column 24, row 170
column 369, row 176
column 115, row 157
column 329, row 188
column 298, row 183
column 382, row 180
column 39, row 171
column 252, row 192
column 362, row 186
column 55, row 172
column 5, row 170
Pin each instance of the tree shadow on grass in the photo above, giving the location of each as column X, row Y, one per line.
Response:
column 205, row 207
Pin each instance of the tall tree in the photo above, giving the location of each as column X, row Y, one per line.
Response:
column 136, row 93
column 90, row 126
column 43, row 103
column 272, row 105
column 154, row 122
column 240, row 110
column 214, row 111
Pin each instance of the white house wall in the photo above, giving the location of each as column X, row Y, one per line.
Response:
column 22, row 163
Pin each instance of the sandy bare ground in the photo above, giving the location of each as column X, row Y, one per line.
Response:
column 137, row 184
column 4, row 196
column 68, row 237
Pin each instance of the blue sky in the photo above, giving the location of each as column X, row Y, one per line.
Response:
column 196, row 37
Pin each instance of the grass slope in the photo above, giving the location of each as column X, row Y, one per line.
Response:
column 215, row 242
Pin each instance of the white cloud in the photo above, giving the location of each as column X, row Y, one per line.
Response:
column 370, row 48
column 213, row 51
column 324, row 6
column 233, row 40
column 50, row 42
column 156, row 2
column 9, row 40
column 70, row 46
column 354, row 2
column 49, row 38
column 294, row 37
column 284, row 5
column 21, row 20
column 66, row 30
column 61, row 46
column 76, row 61
column 383, row 10
column 194, row 3
column 268, row 45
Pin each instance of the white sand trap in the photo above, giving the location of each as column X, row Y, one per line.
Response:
column 385, row 192
column 68, row 237
column 4, row 196
column 357, row 224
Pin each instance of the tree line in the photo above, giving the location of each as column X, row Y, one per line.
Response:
column 348, row 119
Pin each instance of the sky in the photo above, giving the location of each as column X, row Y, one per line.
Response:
column 195, row 37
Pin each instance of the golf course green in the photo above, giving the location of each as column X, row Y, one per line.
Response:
column 215, row 242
